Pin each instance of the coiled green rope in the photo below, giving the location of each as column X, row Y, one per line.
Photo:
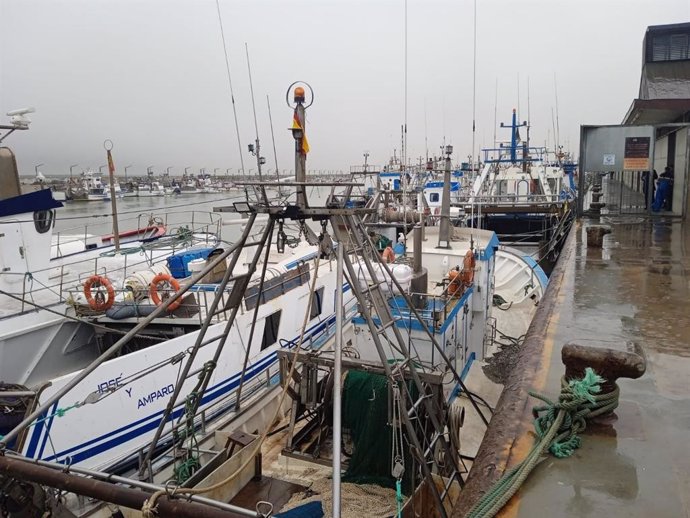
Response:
column 557, row 426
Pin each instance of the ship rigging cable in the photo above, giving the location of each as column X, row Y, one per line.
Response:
column 232, row 94
column 149, row 508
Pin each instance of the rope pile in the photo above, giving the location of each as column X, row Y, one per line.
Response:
column 557, row 425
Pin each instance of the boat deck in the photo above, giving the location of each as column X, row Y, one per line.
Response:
column 633, row 290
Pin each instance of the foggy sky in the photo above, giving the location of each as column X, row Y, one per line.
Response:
column 150, row 75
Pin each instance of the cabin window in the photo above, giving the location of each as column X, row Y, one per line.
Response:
column 433, row 197
column 316, row 304
column 43, row 220
column 271, row 327
column 670, row 47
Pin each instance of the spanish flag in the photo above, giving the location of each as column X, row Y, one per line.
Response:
column 296, row 125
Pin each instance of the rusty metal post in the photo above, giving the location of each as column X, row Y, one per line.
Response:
column 106, row 491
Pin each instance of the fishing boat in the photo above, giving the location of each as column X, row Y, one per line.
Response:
column 69, row 289
column 525, row 194
column 150, row 189
column 88, row 188
column 189, row 185
column 170, row 395
column 119, row 194
column 49, row 281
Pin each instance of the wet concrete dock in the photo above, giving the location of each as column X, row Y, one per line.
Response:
column 636, row 289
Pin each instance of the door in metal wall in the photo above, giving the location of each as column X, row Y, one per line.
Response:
column 624, row 192
column 614, row 162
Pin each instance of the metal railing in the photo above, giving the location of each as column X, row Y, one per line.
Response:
column 66, row 278
column 512, row 199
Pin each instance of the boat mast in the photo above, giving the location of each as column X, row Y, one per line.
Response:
column 108, row 145
column 444, row 230
column 301, row 147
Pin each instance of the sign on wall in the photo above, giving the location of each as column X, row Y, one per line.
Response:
column 636, row 154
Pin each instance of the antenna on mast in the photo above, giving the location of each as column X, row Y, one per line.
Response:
column 256, row 149
column 273, row 138
column 518, row 95
column 404, row 142
column 232, row 95
column 495, row 113
column 557, row 135
column 426, row 136
column 474, row 89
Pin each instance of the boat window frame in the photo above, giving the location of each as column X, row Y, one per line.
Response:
column 272, row 326
column 317, row 303
column 44, row 220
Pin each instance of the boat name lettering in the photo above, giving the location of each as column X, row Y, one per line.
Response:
column 160, row 393
column 109, row 385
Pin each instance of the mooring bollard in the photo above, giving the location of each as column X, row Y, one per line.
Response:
column 610, row 364
column 595, row 235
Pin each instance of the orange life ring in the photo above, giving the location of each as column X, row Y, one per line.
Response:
column 389, row 254
column 468, row 264
column 98, row 301
column 153, row 290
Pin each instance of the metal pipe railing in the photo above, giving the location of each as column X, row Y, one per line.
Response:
column 115, row 348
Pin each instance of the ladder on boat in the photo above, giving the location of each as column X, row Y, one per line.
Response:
column 421, row 408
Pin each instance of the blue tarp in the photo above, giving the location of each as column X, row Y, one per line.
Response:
column 310, row 510
column 178, row 264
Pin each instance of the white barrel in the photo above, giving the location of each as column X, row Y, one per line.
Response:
column 138, row 282
column 196, row 265
column 401, row 272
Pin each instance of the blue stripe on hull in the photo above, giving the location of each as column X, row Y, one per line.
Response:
column 135, row 429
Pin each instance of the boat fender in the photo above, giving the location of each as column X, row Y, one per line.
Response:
column 164, row 278
column 98, row 301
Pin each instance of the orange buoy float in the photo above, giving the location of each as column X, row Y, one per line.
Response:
column 98, row 301
column 164, row 278
column 461, row 279
column 455, row 284
column 468, row 264
column 389, row 255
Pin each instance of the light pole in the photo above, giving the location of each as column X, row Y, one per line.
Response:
column 187, row 169
column 70, row 169
column 167, row 170
column 36, row 168
column 100, row 168
column 127, row 167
